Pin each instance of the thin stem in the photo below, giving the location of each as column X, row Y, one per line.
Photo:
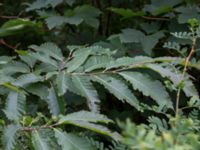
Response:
column 155, row 18
column 31, row 129
column 188, row 107
column 184, row 72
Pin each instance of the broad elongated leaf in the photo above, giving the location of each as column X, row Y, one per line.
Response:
column 126, row 13
column 9, row 136
column 149, row 42
column 45, row 59
column 62, row 83
column 28, row 59
column 189, row 88
column 5, row 78
column 49, row 49
column 69, row 141
column 87, row 90
column 117, row 88
column 87, row 120
column 38, row 4
column 40, row 142
column 55, row 104
column 15, row 105
column 84, row 13
column 97, row 62
column 128, row 61
column 148, row 87
column 186, row 13
column 96, row 128
column 18, row 26
column 27, row 79
column 5, row 59
column 89, row 14
column 16, row 67
column 55, row 21
column 84, row 116
column 46, row 67
column 131, row 36
column 78, row 60
column 38, row 89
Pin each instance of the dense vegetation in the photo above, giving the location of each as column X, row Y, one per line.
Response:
column 99, row 75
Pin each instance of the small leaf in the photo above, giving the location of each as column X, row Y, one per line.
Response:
column 117, row 88
column 61, row 81
column 26, row 79
column 148, row 87
column 15, row 105
column 84, row 116
column 88, row 91
column 9, row 136
column 56, row 105
column 70, row 141
column 39, row 142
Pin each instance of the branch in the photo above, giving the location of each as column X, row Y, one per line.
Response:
column 192, row 51
column 15, row 17
column 3, row 42
column 155, row 18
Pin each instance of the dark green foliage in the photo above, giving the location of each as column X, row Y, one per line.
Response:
column 99, row 75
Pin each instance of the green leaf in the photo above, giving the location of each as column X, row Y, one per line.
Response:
column 84, row 13
column 39, row 142
column 189, row 88
column 55, row 21
column 97, row 62
column 126, row 13
column 149, row 42
column 87, row 90
column 71, row 2
column 70, row 141
column 157, row 7
column 9, row 136
column 148, row 87
column 38, row 89
column 5, row 59
column 78, row 60
column 84, row 116
column 89, row 14
column 97, row 128
column 118, row 88
column 18, row 26
column 45, row 59
column 135, row 36
column 15, row 105
column 186, row 13
column 30, row 61
column 25, row 79
column 56, row 105
column 131, row 36
column 49, row 49
column 62, row 83
column 128, row 61
column 86, row 120
column 38, row 4
column 16, row 67
column 5, row 79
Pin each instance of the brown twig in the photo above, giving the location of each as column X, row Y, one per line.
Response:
column 155, row 18
column 14, row 17
column 31, row 129
column 192, row 51
column 3, row 42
